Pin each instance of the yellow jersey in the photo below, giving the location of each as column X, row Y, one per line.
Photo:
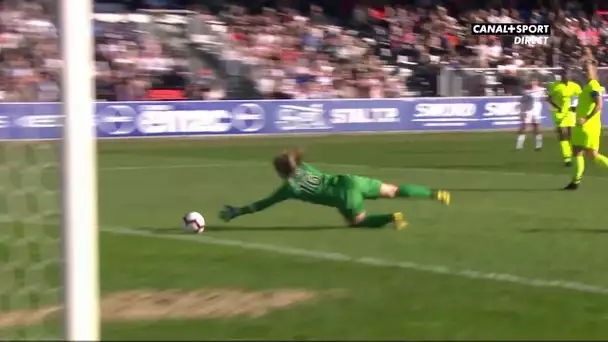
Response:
column 586, row 102
column 561, row 94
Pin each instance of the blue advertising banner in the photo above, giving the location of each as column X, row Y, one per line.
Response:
column 198, row 118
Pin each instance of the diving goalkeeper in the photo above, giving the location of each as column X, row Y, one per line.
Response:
column 344, row 192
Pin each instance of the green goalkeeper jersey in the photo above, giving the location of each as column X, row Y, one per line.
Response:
column 307, row 185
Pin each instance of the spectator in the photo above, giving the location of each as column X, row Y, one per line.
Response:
column 390, row 51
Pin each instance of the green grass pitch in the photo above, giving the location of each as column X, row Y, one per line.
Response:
column 511, row 258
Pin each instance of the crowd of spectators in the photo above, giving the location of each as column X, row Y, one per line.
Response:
column 130, row 61
column 377, row 53
column 29, row 55
column 436, row 36
column 395, row 51
column 308, row 57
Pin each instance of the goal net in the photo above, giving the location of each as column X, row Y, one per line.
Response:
column 30, row 246
column 40, row 137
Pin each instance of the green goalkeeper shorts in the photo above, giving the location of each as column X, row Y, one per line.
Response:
column 353, row 191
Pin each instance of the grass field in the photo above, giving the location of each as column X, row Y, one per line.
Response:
column 512, row 258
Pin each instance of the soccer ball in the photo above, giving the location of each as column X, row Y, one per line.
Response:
column 194, row 222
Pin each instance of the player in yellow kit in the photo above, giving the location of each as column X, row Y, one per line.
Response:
column 560, row 98
column 587, row 131
column 344, row 192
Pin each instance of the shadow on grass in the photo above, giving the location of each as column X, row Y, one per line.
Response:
column 173, row 231
column 566, row 230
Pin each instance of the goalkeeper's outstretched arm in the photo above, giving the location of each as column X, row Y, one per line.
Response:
column 229, row 212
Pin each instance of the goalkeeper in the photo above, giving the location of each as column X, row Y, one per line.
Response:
column 346, row 193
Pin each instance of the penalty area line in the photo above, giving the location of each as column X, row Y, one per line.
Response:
column 368, row 261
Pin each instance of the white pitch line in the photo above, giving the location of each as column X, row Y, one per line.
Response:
column 370, row 261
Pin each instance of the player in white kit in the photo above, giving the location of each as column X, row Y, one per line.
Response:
column 531, row 107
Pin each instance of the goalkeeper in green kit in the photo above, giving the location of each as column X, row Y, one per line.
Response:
column 346, row 193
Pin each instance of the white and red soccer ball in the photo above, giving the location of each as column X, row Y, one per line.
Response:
column 194, row 222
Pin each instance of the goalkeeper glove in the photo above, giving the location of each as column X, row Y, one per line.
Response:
column 228, row 213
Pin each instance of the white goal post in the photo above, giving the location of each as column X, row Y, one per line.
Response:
column 79, row 174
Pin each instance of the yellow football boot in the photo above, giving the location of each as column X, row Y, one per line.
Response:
column 444, row 197
column 399, row 221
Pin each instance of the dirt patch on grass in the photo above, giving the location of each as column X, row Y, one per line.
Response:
column 142, row 305
column 208, row 303
column 26, row 317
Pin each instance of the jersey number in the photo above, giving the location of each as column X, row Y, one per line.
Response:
column 311, row 183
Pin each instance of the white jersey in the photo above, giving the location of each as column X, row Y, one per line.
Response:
column 532, row 98
column 532, row 104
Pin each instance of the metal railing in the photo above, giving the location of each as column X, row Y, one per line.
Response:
column 454, row 82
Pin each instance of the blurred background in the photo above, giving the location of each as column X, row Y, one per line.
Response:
column 214, row 50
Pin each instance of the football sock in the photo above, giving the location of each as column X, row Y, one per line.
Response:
column 601, row 160
column 579, row 169
column 539, row 141
column 375, row 221
column 520, row 141
column 417, row 191
column 566, row 150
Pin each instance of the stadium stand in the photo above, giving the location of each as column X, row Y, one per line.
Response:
column 29, row 54
column 159, row 50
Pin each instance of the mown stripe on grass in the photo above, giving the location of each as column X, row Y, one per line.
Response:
column 368, row 261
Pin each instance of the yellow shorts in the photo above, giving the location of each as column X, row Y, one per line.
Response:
column 587, row 137
column 564, row 119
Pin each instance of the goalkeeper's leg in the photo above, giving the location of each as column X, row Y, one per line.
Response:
column 414, row 191
column 363, row 220
column 353, row 209
column 374, row 188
